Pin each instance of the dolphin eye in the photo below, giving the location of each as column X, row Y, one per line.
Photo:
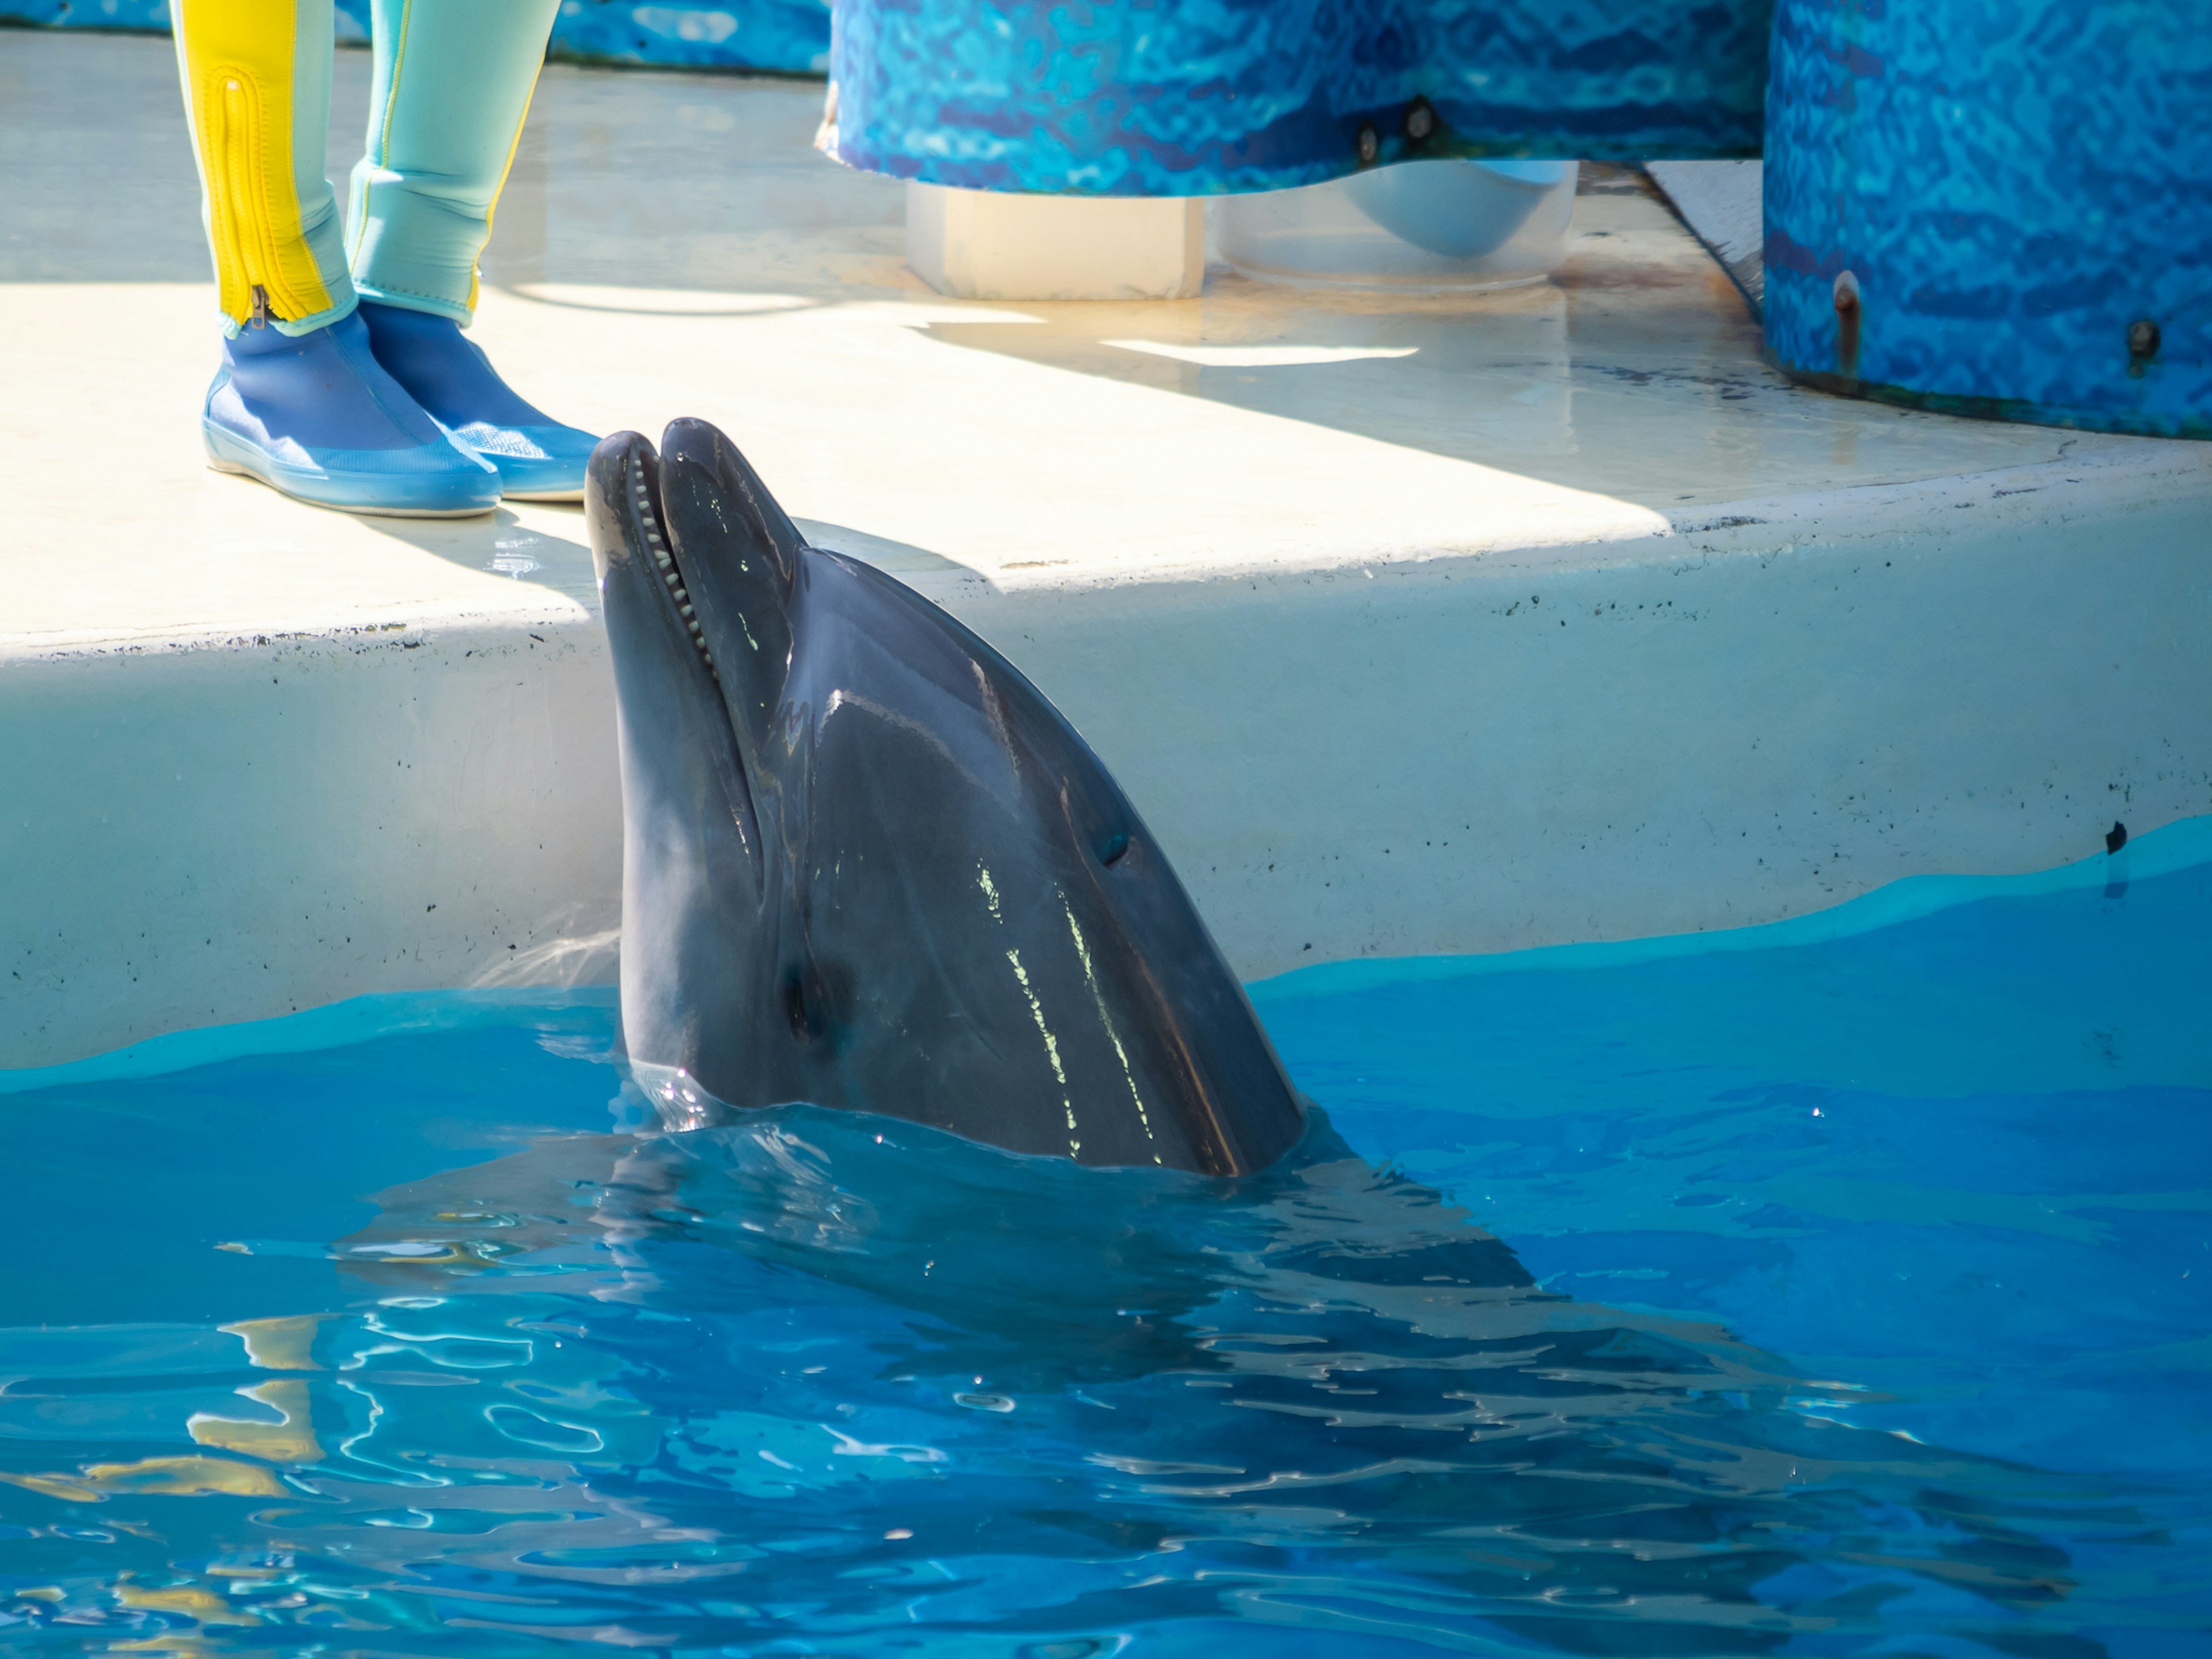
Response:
column 818, row 1001
column 794, row 1006
column 1110, row 852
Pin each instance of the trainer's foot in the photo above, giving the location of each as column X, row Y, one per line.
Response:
column 537, row 457
column 312, row 415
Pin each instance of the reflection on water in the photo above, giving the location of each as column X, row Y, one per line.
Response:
column 825, row 1384
column 720, row 1387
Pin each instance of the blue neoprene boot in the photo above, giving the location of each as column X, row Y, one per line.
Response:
column 538, row 459
column 312, row 415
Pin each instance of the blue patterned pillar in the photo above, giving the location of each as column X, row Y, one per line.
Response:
column 1198, row 97
column 1996, row 207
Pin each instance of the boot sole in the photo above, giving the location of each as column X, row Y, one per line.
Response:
column 238, row 471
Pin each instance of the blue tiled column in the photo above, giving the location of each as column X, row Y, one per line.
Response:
column 786, row 36
column 1196, row 97
column 1996, row 207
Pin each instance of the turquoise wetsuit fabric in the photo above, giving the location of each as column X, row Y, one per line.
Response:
column 452, row 82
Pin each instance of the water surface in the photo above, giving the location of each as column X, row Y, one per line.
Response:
column 1842, row 1288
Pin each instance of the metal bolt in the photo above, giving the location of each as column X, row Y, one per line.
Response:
column 2142, row 339
column 1420, row 120
column 1370, row 144
column 1846, row 291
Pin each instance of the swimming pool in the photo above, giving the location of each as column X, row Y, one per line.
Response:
column 1841, row 1287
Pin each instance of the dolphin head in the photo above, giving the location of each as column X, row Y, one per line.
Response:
column 868, row 865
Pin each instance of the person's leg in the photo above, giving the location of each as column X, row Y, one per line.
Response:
column 299, row 401
column 257, row 82
column 452, row 83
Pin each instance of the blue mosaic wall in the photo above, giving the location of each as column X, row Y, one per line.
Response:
column 789, row 37
column 785, row 36
column 1193, row 97
column 89, row 13
column 2031, row 240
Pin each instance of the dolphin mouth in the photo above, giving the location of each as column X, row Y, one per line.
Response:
column 694, row 521
column 641, row 482
column 683, row 522
column 636, row 547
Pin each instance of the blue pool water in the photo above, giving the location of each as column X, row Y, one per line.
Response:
column 1838, row 1288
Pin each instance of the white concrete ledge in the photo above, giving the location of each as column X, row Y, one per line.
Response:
column 229, row 832
column 1462, row 753
column 1412, row 625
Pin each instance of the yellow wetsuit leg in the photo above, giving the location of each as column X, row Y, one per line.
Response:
column 257, row 79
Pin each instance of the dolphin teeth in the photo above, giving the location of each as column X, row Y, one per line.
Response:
column 669, row 575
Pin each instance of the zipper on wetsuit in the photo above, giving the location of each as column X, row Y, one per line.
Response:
column 244, row 234
column 238, row 177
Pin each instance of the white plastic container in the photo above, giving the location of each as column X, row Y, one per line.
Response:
column 1438, row 224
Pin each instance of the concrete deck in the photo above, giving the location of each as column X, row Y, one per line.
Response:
column 1413, row 624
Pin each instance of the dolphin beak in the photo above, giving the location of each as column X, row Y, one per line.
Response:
column 630, row 546
column 684, row 785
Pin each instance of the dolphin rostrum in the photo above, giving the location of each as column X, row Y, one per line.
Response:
column 867, row 864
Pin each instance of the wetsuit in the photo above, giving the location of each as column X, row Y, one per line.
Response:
column 453, row 80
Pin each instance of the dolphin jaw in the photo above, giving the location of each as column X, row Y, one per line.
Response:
column 645, row 505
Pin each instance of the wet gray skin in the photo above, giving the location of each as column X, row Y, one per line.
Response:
column 868, row 865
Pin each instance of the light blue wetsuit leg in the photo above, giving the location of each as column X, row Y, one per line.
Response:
column 452, row 82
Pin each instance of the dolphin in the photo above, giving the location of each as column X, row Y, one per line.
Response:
column 868, row 865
